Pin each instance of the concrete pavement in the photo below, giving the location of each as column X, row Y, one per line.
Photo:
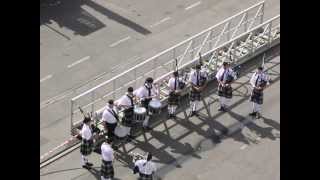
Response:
column 215, row 145
column 91, row 37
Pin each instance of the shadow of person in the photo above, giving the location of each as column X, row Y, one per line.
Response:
column 176, row 146
column 263, row 132
column 272, row 123
column 97, row 175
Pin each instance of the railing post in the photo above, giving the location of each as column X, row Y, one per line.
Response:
column 71, row 118
column 262, row 14
column 192, row 49
column 246, row 22
column 269, row 34
column 135, row 78
column 92, row 100
column 114, row 88
column 228, row 34
column 210, row 41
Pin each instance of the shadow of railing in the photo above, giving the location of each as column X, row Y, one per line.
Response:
column 70, row 14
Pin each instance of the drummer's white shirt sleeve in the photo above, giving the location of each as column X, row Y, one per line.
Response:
column 219, row 73
column 108, row 117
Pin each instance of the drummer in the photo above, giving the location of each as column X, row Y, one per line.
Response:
column 110, row 119
column 126, row 102
column 145, row 95
column 174, row 94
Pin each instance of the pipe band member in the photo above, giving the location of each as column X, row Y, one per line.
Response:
column 145, row 167
column 258, row 82
column 110, row 119
column 174, row 85
column 86, row 143
column 198, row 81
column 126, row 102
column 225, row 76
column 107, row 171
column 145, row 95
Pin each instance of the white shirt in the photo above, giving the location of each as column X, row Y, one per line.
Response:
column 143, row 92
column 107, row 116
column 171, row 83
column 193, row 76
column 221, row 71
column 255, row 76
column 147, row 169
column 106, row 152
column 124, row 101
column 86, row 132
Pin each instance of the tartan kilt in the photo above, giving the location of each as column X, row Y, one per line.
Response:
column 145, row 176
column 195, row 95
column 173, row 98
column 128, row 118
column 257, row 96
column 86, row 147
column 225, row 91
column 107, row 170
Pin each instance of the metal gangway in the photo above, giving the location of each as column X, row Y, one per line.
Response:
column 237, row 38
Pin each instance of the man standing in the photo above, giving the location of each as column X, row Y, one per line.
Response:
column 174, row 94
column 146, row 168
column 107, row 171
column 198, row 81
column 145, row 95
column 86, row 144
column 110, row 118
column 258, row 82
column 225, row 76
column 126, row 102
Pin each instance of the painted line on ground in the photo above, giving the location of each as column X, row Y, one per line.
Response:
column 120, row 41
column 193, row 5
column 161, row 21
column 79, row 61
column 46, row 78
column 243, row 147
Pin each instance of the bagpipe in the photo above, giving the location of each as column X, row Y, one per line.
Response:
column 181, row 83
column 94, row 127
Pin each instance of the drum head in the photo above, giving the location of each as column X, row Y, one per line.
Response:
column 120, row 131
column 140, row 110
column 155, row 103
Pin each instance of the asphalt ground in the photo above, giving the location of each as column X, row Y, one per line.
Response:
column 215, row 145
column 82, row 40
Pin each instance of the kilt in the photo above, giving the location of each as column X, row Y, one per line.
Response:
column 128, row 117
column 107, row 170
column 145, row 104
column 173, row 98
column 225, row 91
column 195, row 95
column 145, row 176
column 86, row 147
column 257, row 96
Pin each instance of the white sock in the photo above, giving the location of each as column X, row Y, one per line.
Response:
column 174, row 108
column 221, row 100
column 193, row 105
column 146, row 122
column 102, row 178
column 226, row 102
column 84, row 160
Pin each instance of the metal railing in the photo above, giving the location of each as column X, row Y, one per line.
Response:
column 233, row 38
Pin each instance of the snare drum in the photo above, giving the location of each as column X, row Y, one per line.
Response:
column 120, row 132
column 140, row 113
column 154, row 106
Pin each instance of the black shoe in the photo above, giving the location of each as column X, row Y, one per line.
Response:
column 148, row 128
column 86, row 167
column 193, row 113
column 89, row 164
column 222, row 109
column 258, row 115
column 253, row 114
